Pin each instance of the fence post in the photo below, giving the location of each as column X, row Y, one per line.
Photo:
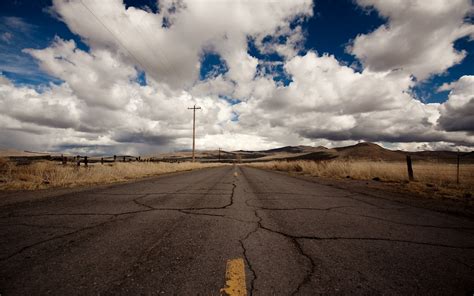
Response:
column 457, row 171
column 410, row 168
column 101, row 160
column 124, row 159
column 85, row 160
column 78, row 160
column 115, row 158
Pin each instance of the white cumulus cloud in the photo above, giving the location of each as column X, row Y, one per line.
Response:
column 418, row 37
column 98, row 104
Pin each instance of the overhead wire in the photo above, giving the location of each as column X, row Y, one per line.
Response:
column 159, row 56
column 113, row 35
column 164, row 65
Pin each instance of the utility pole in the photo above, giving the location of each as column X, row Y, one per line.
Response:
column 194, row 108
column 457, row 169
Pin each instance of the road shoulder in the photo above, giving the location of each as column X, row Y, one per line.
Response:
column 10, row 197
column 385, row 190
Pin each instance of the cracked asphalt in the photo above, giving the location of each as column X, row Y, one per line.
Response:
column 172, row 235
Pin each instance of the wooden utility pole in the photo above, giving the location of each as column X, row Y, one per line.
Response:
column 457, row 170
column 194, row 108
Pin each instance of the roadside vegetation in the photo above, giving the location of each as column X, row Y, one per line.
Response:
column 47, row 174
column 436, row 179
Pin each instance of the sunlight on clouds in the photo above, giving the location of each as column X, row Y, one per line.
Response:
column 102, row 106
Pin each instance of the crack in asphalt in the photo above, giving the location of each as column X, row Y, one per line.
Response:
column 307, row 278
column 354, row 192
column 298, row 248
column 100, row 192
column 247, row 259
column 296, row 244
column 157, row 193
column 35, row 225
column 305, row 209
column 296, row 194
column 136, row 201
column 27, row 247
column 369, row 194
column 143, row 257
column 187, row 211
column 76, row 214
column 114, row 217
column 295, row 238
column 363, row 239
column 229, row 204
column 365, row 216
column 249, row 264
column 58, row 214
column 349, row 196
column 409, row 224
column 184, row 210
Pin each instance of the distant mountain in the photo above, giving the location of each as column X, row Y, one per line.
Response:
column 13, row 152
column 361, row 151
column 295, row 149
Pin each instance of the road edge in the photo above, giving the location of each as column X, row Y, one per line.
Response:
column 445, row 206
column 11, row 197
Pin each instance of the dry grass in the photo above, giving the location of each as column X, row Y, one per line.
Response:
column 430, row 177
column 47, row 174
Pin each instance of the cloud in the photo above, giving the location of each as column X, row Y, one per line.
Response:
column 329, row 100
column 24, row 104
column 168, row 45
column 98, row 77
column 6, row 37
column 418, row 37
column 17, row 23
column 99, row 106
column 457, row 113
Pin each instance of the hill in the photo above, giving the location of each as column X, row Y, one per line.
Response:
column 369, row 151
column 361, row 151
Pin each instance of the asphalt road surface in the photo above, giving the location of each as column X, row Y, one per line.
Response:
column 178, row 235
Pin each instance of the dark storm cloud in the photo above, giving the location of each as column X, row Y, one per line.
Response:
column 460, row 119
column 356, row 134
column 143, row 137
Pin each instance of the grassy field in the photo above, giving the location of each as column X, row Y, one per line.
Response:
column 430, row 177
column 47, row 174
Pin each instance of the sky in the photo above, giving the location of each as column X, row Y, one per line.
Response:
column 114, row 76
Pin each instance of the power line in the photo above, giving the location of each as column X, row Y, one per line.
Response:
column 113, row 35
column 156, row 52
column 164, row 65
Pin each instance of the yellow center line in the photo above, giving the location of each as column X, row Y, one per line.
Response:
column 235, row 278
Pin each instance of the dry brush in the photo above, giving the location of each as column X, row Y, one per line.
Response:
column 440, row 176
column 46, row 174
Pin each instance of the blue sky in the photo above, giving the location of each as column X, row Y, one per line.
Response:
column 344, row 63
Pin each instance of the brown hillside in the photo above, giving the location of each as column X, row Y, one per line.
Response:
column 369, row 151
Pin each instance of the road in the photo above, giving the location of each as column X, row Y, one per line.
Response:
column 179, row 234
